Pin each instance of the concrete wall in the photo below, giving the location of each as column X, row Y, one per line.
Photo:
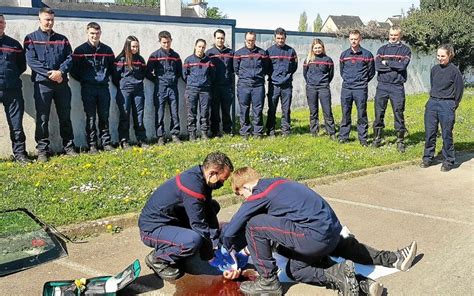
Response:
column 184, row 31
column 418, row 70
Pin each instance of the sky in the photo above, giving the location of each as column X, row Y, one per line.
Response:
column 269, row 14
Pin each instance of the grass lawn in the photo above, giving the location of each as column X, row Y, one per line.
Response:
column 67, row 190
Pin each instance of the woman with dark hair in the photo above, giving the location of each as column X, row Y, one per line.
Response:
column 128, row 75
column 318, row 71
column 198, row 73
column 445, row 95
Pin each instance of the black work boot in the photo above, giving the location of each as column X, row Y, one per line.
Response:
column 162, row 269
column 342, row 277
column 369, row 287
column 262, row 286
column 400, row 142
column 377, row 138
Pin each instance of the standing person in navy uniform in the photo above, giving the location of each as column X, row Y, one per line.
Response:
column 251, row 64
column 12, row 64
column 318, row 71
column 357, row 69
column 49, row 56
column 306, row 231
column 223, row 89
column 199, row 74
column 180, row 217
column 93, row 62
column 164, row 68
column 445, row 95
column 391, row 63
column 283, row 63
column 128, row 75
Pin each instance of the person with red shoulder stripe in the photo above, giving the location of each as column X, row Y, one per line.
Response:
column 281, row 212
column 391, row 63
column 318, row 72
column 12, row 65
column 128, row 75
column 199, row 75
column 164, row 68
column 180, row 217
column 49, row 56
column 93, row 62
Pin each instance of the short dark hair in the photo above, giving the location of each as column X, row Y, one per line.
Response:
column 280, row 31
column 164, row 34
column 219, row 160
column 46, row 10
column 220, row 31
column 93, row 25
column 200, row 40
column 250, row 33
column 354, row 32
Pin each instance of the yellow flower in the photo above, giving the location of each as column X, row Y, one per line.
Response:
column 87, row 165
column 9, row 164
column 37, row 184
column 109, row 227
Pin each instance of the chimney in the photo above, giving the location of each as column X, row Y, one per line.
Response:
column 200, row 7
column 170, row 7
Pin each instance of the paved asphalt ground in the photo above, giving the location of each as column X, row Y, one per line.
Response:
column 386, row 210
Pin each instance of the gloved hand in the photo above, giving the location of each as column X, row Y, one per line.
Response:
column 242, row 259
column 222, row 260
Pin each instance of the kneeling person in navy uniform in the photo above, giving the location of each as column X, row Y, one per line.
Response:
column 180, row 218
column 93, row 62
column 306, row 230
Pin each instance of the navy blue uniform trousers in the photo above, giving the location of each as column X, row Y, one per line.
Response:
column 396, row 94
column 439, row 111
column 359, row 96
column 175, row 242
column 198, row 97
column 314, row 96
column 251, row 97
column 222, row 99
column 96, row 100
column 131, row 100
column 263, row 229
column 275, row 92
column 166, row 95
column 44, row 93
column 14, row 105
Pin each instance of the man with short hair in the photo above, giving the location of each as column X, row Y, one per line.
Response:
column 93, row 63
column 223, row 88
column 12, row 64
column 283, row 63
column 251, row 64
column 49, row 56
column 180, row 217
column 391, row 63
column 164, row 68
column 357, row 69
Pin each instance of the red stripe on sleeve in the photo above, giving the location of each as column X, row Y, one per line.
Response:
column 266, row 191
column 187, row 190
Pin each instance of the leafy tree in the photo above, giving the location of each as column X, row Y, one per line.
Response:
column 317, row 24
column 435, row 23
column 215, row 13
column 151, row 3
column 303, row 23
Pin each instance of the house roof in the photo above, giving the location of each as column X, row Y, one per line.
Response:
column 346, row 21
column 394, row 20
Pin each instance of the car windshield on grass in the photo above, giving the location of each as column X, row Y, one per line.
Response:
column 25, row 242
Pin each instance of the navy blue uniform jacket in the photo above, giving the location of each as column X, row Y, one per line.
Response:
column 283, row 63
column 319, row 72
column 186, row 195
column 286, row 199
column 223, row 60
column 93, row 65
column 446, row 83
column 251, row 66
column 397, row 57
column 198, row 72
column 129, row 77
column 357, row 68
column 164, row 68
column 46, row 52
column 12, row 62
